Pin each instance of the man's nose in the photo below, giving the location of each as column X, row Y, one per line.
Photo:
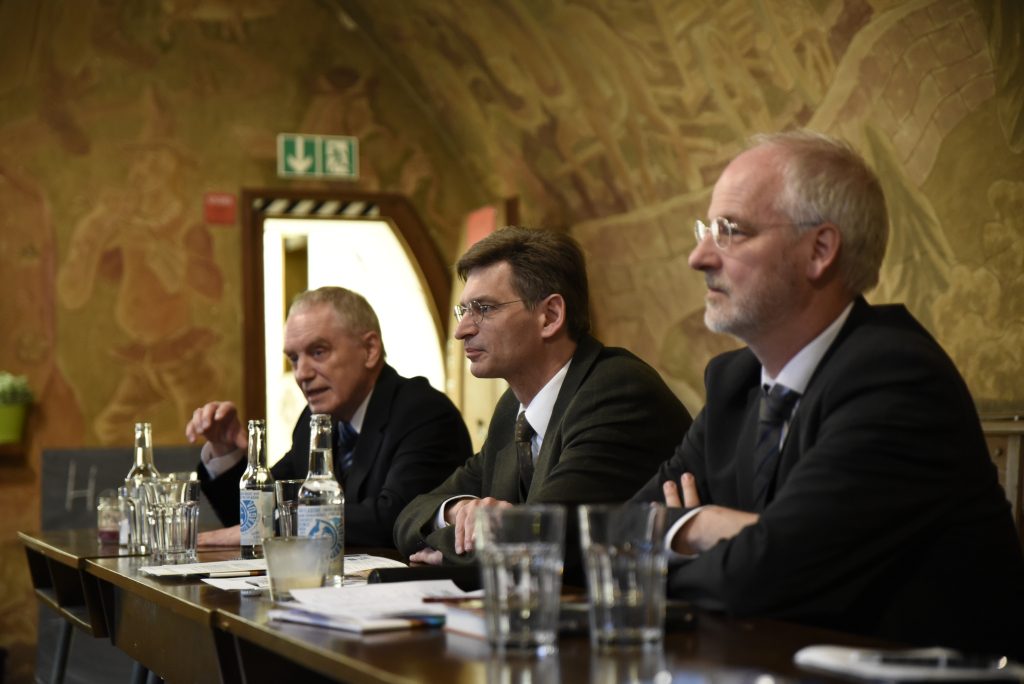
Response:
column 465, row 327
column 302, row 369
column 705, row 255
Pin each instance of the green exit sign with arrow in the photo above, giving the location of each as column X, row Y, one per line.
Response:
column 317, row 156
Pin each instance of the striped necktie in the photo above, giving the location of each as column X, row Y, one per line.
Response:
column 524, row 452
column 344, row 448
column 776, row 406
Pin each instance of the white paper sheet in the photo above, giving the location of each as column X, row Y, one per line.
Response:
column 372, row 607
column 357, row 565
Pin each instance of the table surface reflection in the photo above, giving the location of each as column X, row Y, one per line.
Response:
column 229, row 638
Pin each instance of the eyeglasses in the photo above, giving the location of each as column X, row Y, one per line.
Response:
column 478, row 310
column 722, row 230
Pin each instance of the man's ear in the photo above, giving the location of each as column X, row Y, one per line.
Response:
column 552, row 308
column 826, row 241
column 374, row 348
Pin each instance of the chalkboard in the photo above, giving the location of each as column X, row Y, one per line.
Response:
column 73, row 479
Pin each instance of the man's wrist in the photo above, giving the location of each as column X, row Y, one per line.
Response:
column 222, row 449
column 217, row 465
column 675, row 537
column 451, row 509
column 441, row 519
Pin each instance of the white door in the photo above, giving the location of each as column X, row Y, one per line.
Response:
column 367, row 256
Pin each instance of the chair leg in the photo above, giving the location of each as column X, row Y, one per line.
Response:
column 139, row 673
column 60, row 659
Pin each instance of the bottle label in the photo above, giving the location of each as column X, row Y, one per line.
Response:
column 249, row 516
column 322, row 521
column 267, row 502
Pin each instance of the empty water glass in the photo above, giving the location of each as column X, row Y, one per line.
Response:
column 626, row 563
column 520, row 549
column 287, row 495
column 172, row 511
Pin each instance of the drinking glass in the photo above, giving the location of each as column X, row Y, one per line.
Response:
column 626, row 563
column 520, row 549
column 172, row 511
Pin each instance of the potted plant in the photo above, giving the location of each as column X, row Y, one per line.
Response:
column 15, row 398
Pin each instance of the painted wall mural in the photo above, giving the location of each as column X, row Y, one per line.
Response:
column 608, row 119
column 619, row 117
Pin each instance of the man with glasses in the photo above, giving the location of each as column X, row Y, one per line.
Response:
column 838, row 474
column 580, row 422
column 395, row 437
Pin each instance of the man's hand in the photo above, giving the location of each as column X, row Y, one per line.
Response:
column 218, row 423
column 690, row 497
column 427, row 556
column 462, row 514
column 707, row 527
column 227, row 536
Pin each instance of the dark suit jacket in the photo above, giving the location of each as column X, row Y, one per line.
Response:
column 888, row 518
column 412, row 438
column 613, row 422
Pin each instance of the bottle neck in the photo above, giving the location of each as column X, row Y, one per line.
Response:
column 321, row 446
column 143, row 456
column 257, row 450
column 143, row 444
column 321, row 462
column 143, row 467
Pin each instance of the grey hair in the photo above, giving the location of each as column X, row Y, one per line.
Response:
column 824, row 180
column 354, row 312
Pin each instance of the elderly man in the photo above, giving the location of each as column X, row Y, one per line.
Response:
column 580, row 422
column 408, row 437
column 838, row 474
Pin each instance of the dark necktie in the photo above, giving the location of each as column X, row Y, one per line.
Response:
column 776, row 405
column 344, row 447
column 524, row 435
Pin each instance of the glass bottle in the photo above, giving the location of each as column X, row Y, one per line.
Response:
column 321, row 500
column 256, row 494
column 142, row 471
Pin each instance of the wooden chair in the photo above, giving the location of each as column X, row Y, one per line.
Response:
column 1003, row 435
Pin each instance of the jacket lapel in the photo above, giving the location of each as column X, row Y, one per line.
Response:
column 378, row 413
column 791, row 449
column 582, row 361
column 506, row 474
column 747, row 443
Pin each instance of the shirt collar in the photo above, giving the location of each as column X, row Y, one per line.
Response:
column 360, row 415
column 538, row 413
column 796, row 374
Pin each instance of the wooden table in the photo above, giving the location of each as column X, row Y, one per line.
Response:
column 164, row 624
column 56, row 561
column 717, row 647
column 186, row 630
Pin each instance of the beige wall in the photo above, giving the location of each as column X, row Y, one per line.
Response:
column 607, row 119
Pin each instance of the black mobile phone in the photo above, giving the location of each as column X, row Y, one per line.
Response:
column 574, row 617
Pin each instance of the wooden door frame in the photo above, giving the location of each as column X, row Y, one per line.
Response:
column 258, row 204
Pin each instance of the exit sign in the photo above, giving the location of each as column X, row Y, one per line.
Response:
column 317, row 156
